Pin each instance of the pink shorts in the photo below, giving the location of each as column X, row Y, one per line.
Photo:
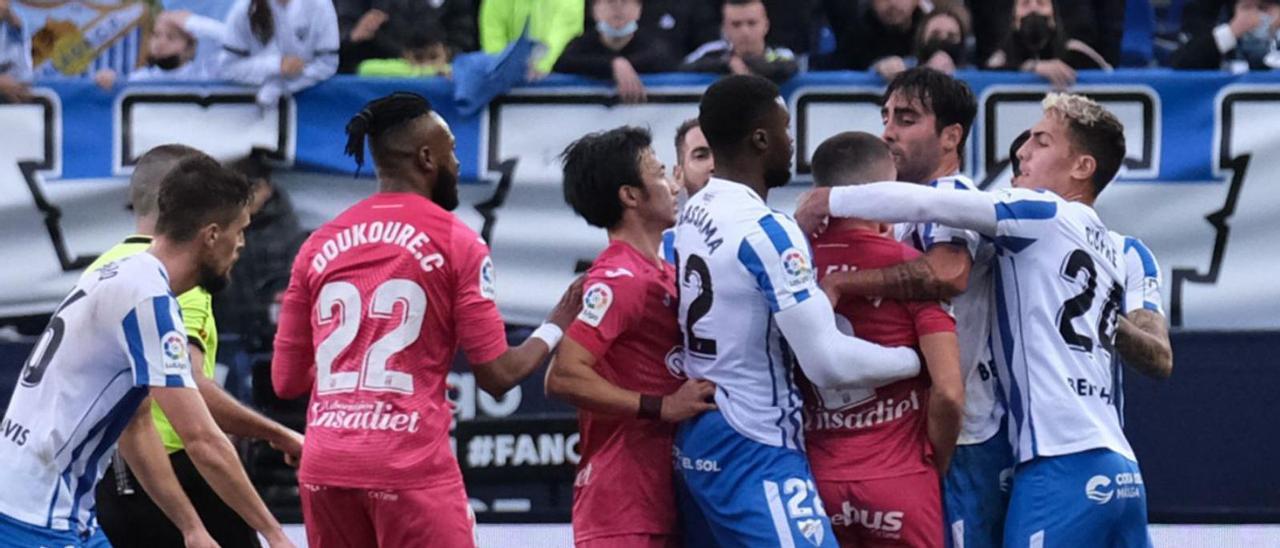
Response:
column 631, row 541
column 342, row 517
column 901, row 511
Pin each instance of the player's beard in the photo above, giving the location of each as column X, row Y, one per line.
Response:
column 445, row 193
column 211, row 280
column 775, row 177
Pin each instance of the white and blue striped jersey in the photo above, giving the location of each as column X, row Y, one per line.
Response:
column 118, row 332
column 1142, row 275
column 983, row 408
column 1141, row 292
column 738, row 264
column 1059, row 289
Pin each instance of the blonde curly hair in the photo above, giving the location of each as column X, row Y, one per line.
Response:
column 1094, row 131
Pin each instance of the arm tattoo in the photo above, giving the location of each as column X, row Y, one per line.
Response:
column 912, row 281
column 1143, row 343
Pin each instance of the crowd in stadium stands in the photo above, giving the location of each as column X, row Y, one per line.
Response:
column 283, row 46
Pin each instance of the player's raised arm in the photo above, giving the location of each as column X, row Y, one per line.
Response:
column 942, row 273
column 893, row 202
column 481, row 333
column 142, row 449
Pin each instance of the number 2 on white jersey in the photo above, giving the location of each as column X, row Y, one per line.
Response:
column 373, row 374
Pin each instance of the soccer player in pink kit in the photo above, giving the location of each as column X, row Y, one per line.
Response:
column 878, row 453
column 378, row 302
column 619, row 362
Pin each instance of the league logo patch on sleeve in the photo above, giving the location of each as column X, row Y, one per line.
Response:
column 173, row 347
column 797, row 273
column 595, row 303
column 488, row 280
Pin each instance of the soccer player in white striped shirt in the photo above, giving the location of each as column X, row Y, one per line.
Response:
column 1060, row 289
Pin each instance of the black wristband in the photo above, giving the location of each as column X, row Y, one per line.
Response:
column 650, row 407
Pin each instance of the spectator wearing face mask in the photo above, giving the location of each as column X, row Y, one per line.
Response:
column 617, row 49
column 743, row 50
column 15, row 57
column 1037, row 42
column 941, row 41
column 173, row 51
column 1235, row 33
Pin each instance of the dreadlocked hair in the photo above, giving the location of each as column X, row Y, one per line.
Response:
column 261, row 21
column 379, row 116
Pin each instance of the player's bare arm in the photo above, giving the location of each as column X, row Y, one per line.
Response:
column 942, row 273
column 1143, row 342
column 572, row 377
column 236, row 419
column 216, row 459
column 141, row 448
column 946, row 395
column 500, row 375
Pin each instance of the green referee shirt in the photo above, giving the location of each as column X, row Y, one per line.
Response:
column 197, row 316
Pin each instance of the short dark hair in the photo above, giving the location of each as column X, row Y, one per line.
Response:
column 732, row 108
column 1017, row 143
column 950, row 100
column 596, row 166
column 1094, row 131
column 849, row 158
column 253, row 167
column 681, row 132
column 149, row 172
column 198, row 192
column 742, row 2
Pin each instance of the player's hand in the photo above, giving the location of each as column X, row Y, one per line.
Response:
column 569, row 306
column 889, row 67
column 1247, row 17
column 692, row 398
column 738, row 66
column 289, row 443
column 1060, row 75
column 812, row 210
column 105, row 78
column 630, row 88
column 292, row 65
column 12, row 90
column 198, row 539
column 368, row 25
